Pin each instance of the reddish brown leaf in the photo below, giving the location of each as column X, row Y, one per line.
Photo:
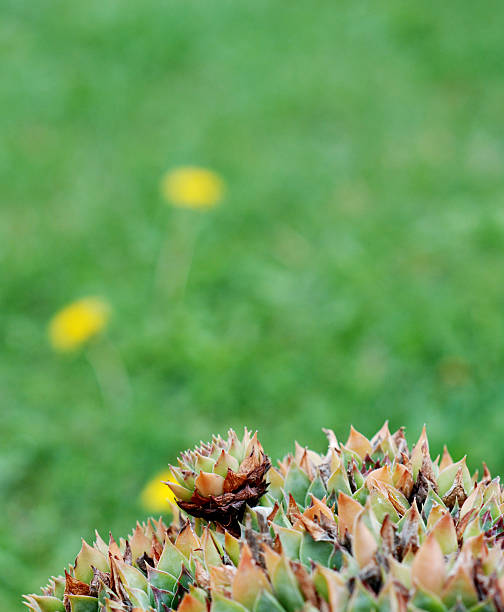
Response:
column 74, row 586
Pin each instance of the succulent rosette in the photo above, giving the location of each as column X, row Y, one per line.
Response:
column 218, row 480
column 369, row 525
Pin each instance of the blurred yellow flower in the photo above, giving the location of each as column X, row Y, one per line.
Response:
column 192, row 187
column 78, row 322
column 156, row 495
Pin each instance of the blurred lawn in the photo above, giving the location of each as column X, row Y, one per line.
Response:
column 353, row 273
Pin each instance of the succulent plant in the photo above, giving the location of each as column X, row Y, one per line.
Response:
column 218, row 480
column 369, row 525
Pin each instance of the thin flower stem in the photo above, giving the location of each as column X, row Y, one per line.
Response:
column 110, row 373
column 175, row 257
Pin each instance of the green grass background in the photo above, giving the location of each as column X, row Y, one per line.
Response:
column 352, row 274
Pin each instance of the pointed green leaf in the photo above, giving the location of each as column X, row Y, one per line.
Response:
column 286, row 587
column 296, row 483
column 87, row 557
column 317, row 489
column 427, row 601
column 281, row 518
column 291, row 541
column 431, row 499
column 83, row 603
column 48, row 604
column 223, row 604
column 171, row 559
column 319, row 552
column 265, row 602
column 338, row 481
column 160, row 579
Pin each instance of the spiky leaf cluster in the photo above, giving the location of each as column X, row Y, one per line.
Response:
column 369, row 525
column 218, row 480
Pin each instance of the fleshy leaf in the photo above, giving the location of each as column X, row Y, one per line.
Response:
column 297, row 483
column 285, row 587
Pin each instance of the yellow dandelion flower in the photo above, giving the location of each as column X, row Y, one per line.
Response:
column 192, row 187
column 156, row 496
column 76, row 323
